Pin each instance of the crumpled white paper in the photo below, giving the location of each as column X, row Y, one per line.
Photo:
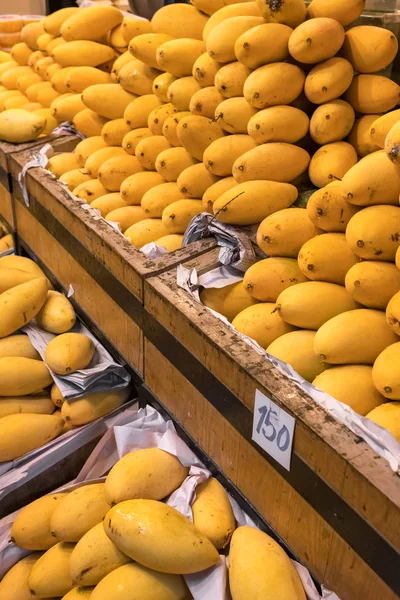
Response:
column 379, row 438
column 153, row 250
column 67, row 128
column 39, row 159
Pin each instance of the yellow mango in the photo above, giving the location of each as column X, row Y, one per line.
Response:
column 278, row 124
column 131, row 26
column 46, row 97
column 131, row 139
column 221, row 39
column 110, row 201
column 15, row 102
column 135, row 186
column 331, row 162
column 16, row 270
column 205, row 101
column 234, row 301
column 91, row 23
column 31, row 527
column 387, row 415
column 21, row 304
column 137, row 112
column 179, row 21
column 26, row 81
column 360, row 136
column 59, row 80
column 78, row 512
column 289, row 12
column 74, row 178
column 354, row 337
column 196, row 133
column 148, row 584
column 18, row 345
column 250, row 202
column 172, row 162
column 53, row 22
column 79, row 593
column 80, row 78
column 19, row 126
column 22, row 433
column 50, row 574
column 90, row 190
column 262, row 323
column 170, row 126
column 144, row 47
column 168, row 543
column 137, row 77
column 116, row 169
column 181, row 91
column 31, row 32
column 87, row 147
column 234, row 115
column 214, row 298
column 61, row 163
column 69, row 352
column 392, row 143
column 332, row 122
column 126, row 216
column 14, row 584
column 98, row 157
column 148, row 473
column 92, row 406
column 374, row 232
column 373, row 180
column 274, row 84
column 38, row 405
column 352, row 385
column 35, row 106
column 89, row 123
column 284, row 232
column 146, row 231
column 159, row 197
column 21, row 53
column 370, row 94
column 370, row 49
column 373, row 283
column 267, row 278
column 316, row 40
column 122, row 60
column 225, row 9
column 216, row 190
column 297, row 350
column 22, row 376
column 116, row 39
column 107, row 99
column 170, row 242
column 274, row 162
column 43, row 40
column 194, row 181
column 263, row 44
column 344, row 11
column 56, row 396
column 221, row 154
column 10, row 64
column 212, row 513
column 57, row 314
column 177, row 215
column 148, row 149
column 82, row 53
column 382, row 125
column 178, row 56
column 6, row 242
column 327, row 257
column 158, row 116
column 328, row 80
column 58, row 41
column 4, row 96
column 393, row 312
column 329, row 210
column 66, row 107
column 310, row 304
column 204, row 70
column 161, row 84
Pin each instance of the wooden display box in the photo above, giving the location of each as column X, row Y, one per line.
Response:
column 106, row 272
column 338, row 507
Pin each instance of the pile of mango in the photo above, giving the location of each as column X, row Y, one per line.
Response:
column 118, row 540
column 32, row 409
column 10, row 31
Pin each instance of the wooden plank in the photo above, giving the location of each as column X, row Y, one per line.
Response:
column 299, row 525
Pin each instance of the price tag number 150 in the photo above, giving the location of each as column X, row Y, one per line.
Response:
column 273, row 429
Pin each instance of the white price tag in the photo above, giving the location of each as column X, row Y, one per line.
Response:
column 273, row 429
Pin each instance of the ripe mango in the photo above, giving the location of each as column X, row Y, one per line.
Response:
column 59, row 80
column 18, row 126
column 274, row 84
column 17, row 345
column 327, row 257
column 179, row 21
column 168, row 543
column 216, row 190
column 310, row 304
column 53, row 22
column 82, row 77
column 39, row 404
column 158, row 116
column 21, row 304
column 27, row 80
column 116, row 169
column 263, row 44
column 92, row 406
column 147, row 473
column 159, row 197
column 387, row 415
column 236, row 300
column 65, row 107
column 10, row 77
column 204, row 102
column 289, row 12
column 212, row 513
column 57, row 314
column 373, row 180
column 278, row 124
column 386, row 379
column 267, row 278
column 181, row 91
column 31, row 527
column 381, row 127
column 284, row 232
column 135, row 186
column 137, row 112
column 221, row 154
column 82, row 54
column 393, row 313
column 297, row 350
column 370, row 49
column 90, row 190
column 230, row 79
column 161, row 84
column 344, row 11
column 126, row 216
column 360, row 136
column 373, row 283
column 226, row 10
column 170, row 242
column 122, row 60
column 171, row 162
column 131, row 139
column 316, row 40
column 331, row 162
column 204, row 70
column 88, row 122
column 374, row 232
column 234, row 114
column 178, row 56
column 214, row 298
column 196, row 133
column 22, row 433
column 137, row 77
column 148, row 149
column 274, row 162
column 114, row 132
column 98, row 157
column 222, row 38
column 69, row 352
column 91, row 23
column 354, row 337
column 194, row 181
column 352, row 385
column 392, row 144
column 144, row 47
column 108, row 202
column 329, row 210
column 328, row 80
column 370, row 94
column 14, row 584
column 332, row 122
column 56, row 396
column 177, row 215
column 20, row 53
column 50, row 574
column 107, row 99
column 146, row 231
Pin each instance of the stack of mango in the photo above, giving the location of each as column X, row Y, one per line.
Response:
column 118, row 540
column 11, row 30
column 32, row 410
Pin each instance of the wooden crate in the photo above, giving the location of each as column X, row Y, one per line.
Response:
column 338, row 507
column 105, row 270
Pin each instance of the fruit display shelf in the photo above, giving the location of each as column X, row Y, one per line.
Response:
column 106, row 272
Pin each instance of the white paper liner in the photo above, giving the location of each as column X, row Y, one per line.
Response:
column 39, row 159
column 103, row 373
column 379, row 438
column 153, row 250
column 147, row 429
